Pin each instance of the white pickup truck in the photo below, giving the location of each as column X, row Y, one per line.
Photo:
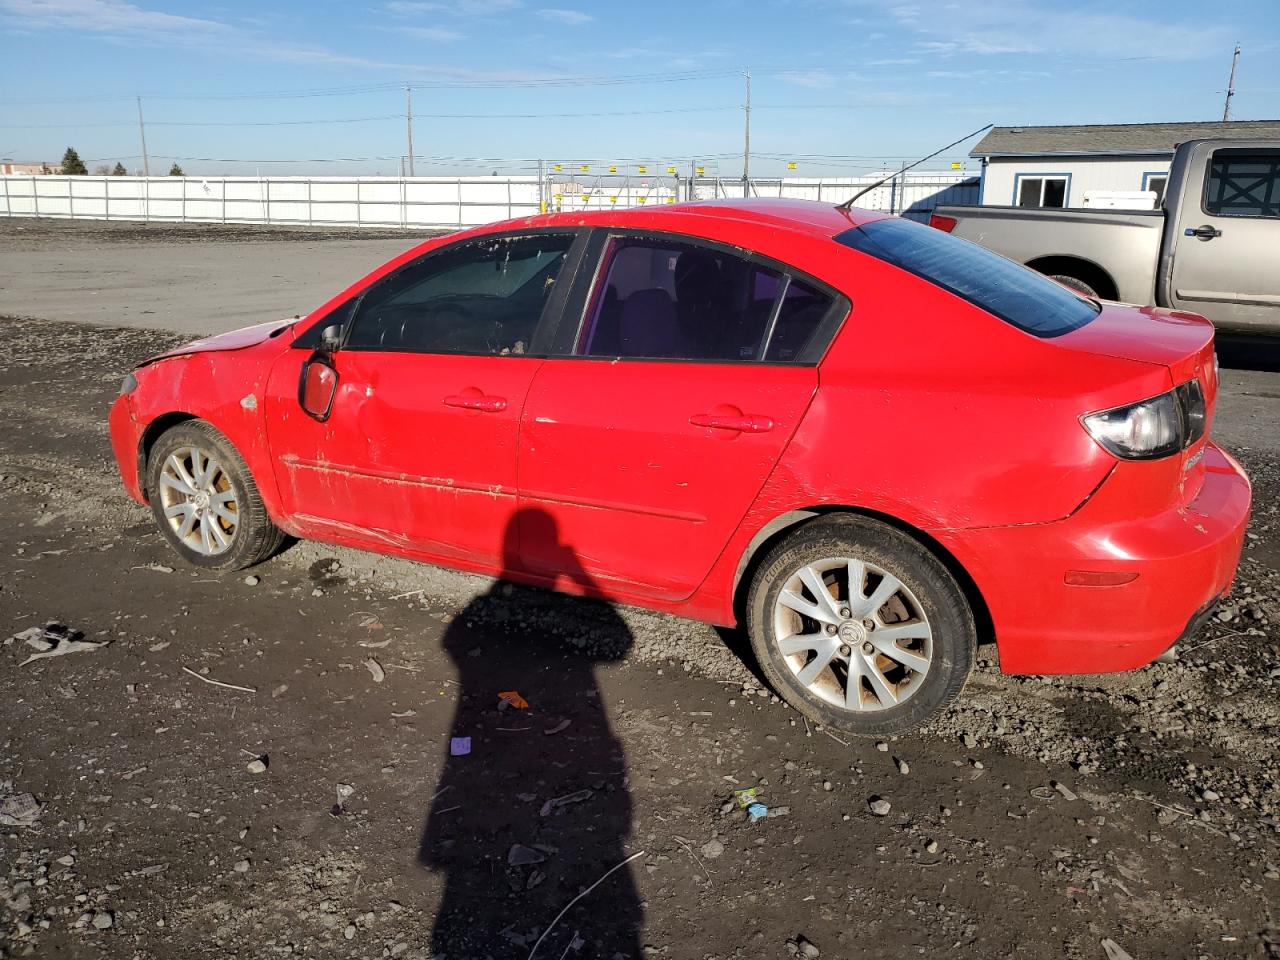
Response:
column 1213, row 249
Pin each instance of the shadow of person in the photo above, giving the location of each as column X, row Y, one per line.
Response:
column 539, row 809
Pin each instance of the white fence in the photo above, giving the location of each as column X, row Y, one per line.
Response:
column 432, row 201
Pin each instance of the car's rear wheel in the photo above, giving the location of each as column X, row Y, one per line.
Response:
column 205, row 500
column 860, row 627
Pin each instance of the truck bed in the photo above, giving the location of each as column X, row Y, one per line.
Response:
column 1124, row 244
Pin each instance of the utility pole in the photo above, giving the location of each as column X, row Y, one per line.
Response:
column 1231, row 85
column 408, row 96
column 746, row 140
column 142, row 133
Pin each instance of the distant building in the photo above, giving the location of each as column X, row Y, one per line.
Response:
column 1093, row 164
column 29, row 169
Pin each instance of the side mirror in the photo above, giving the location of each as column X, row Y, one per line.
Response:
column 317, row 387
column 331, row 338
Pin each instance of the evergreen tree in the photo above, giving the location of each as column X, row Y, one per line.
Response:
column 119, row 170
column 176, row 171
column 72, row 165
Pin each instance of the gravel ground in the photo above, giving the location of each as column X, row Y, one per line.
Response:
column 1039, row 818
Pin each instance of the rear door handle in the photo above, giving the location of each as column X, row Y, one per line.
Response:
column 483, row 403
column 744, row 424
column 1205, row 232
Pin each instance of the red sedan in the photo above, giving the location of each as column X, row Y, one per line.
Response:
column 871, row 443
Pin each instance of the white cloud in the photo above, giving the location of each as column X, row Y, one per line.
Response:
column 571, row 18
column 813, row 79
column 1090, row 30
column 433, row 34
column 460, row 8
column 107, row 17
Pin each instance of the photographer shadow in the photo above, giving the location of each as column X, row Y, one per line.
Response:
column 539, row 809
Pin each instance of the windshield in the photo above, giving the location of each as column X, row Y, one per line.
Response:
column 1014, row 293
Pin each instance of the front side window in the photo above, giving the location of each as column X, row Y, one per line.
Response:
column 1243, row 183
column 1042, row 191
column 673, row 300
column 1016, row 294
column 479, row 298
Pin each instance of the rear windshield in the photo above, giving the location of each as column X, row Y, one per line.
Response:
column 1014, row 293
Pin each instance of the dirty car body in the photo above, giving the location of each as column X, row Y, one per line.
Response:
column 673, row 393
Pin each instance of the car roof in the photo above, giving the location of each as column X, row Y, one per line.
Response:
column 810, row 217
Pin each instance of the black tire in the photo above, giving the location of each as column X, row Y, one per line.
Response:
column 253, row 537
column 929, row 586
column 1075, row 284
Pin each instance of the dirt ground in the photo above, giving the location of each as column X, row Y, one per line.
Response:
column 194, row 278
column 1040, row 818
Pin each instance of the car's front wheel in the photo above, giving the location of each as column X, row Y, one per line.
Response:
column 858, row 626
column 205, row 500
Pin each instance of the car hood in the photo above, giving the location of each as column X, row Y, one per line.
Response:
column 231, row 340
column 1180, row 341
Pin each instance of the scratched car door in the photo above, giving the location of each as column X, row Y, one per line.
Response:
column 419, row 450
column 648, row 442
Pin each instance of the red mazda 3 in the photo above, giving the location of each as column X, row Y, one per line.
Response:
column 871, row 443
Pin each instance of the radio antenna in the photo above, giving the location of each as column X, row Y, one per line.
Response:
column 849, row 203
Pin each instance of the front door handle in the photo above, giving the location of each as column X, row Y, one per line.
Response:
column 481, row 402
column 1205, row 232
column 748, row 423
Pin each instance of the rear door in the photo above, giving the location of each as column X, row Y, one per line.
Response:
column 418, row 452
column 1226, row 264
column 648, row 434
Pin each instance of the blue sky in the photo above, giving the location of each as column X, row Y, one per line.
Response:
column 838, row 86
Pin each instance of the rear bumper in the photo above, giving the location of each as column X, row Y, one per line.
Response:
column 1184, row 560
column 126, row 441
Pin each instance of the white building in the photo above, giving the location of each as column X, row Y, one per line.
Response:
column 1121, row 164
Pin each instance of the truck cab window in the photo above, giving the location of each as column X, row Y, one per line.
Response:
column 1243, row 183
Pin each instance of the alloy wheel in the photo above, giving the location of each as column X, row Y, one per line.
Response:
column 199, row 501
column 852, row 634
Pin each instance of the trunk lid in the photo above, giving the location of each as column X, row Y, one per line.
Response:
column 1183, row 342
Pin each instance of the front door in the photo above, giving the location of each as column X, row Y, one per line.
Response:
column 644, row 447
column 1227, row 260
column 418, row 452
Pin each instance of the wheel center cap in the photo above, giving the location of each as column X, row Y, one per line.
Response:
column 201, row 500
column 853, row 633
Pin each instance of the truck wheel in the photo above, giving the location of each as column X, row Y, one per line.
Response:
column 1078, row 285
column 205, row 501
column 858, row 626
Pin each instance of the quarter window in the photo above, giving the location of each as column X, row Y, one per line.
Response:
column 1042, row 191
column 1243, row 183
column 671, row 300
column 479, row 298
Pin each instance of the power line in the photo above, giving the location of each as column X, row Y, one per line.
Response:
column 496, row 83
column 438, row 116
column 200, row 123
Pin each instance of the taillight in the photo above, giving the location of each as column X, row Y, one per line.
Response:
column 1154, row 428
column 939, row 222
column 1191, row 401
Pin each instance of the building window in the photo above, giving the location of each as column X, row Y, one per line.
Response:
column 1047, row 191
column 1156, row 182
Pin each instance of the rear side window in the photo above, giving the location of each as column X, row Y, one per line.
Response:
column 1243, row 183
column 671, row 300
column 1014, row 293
